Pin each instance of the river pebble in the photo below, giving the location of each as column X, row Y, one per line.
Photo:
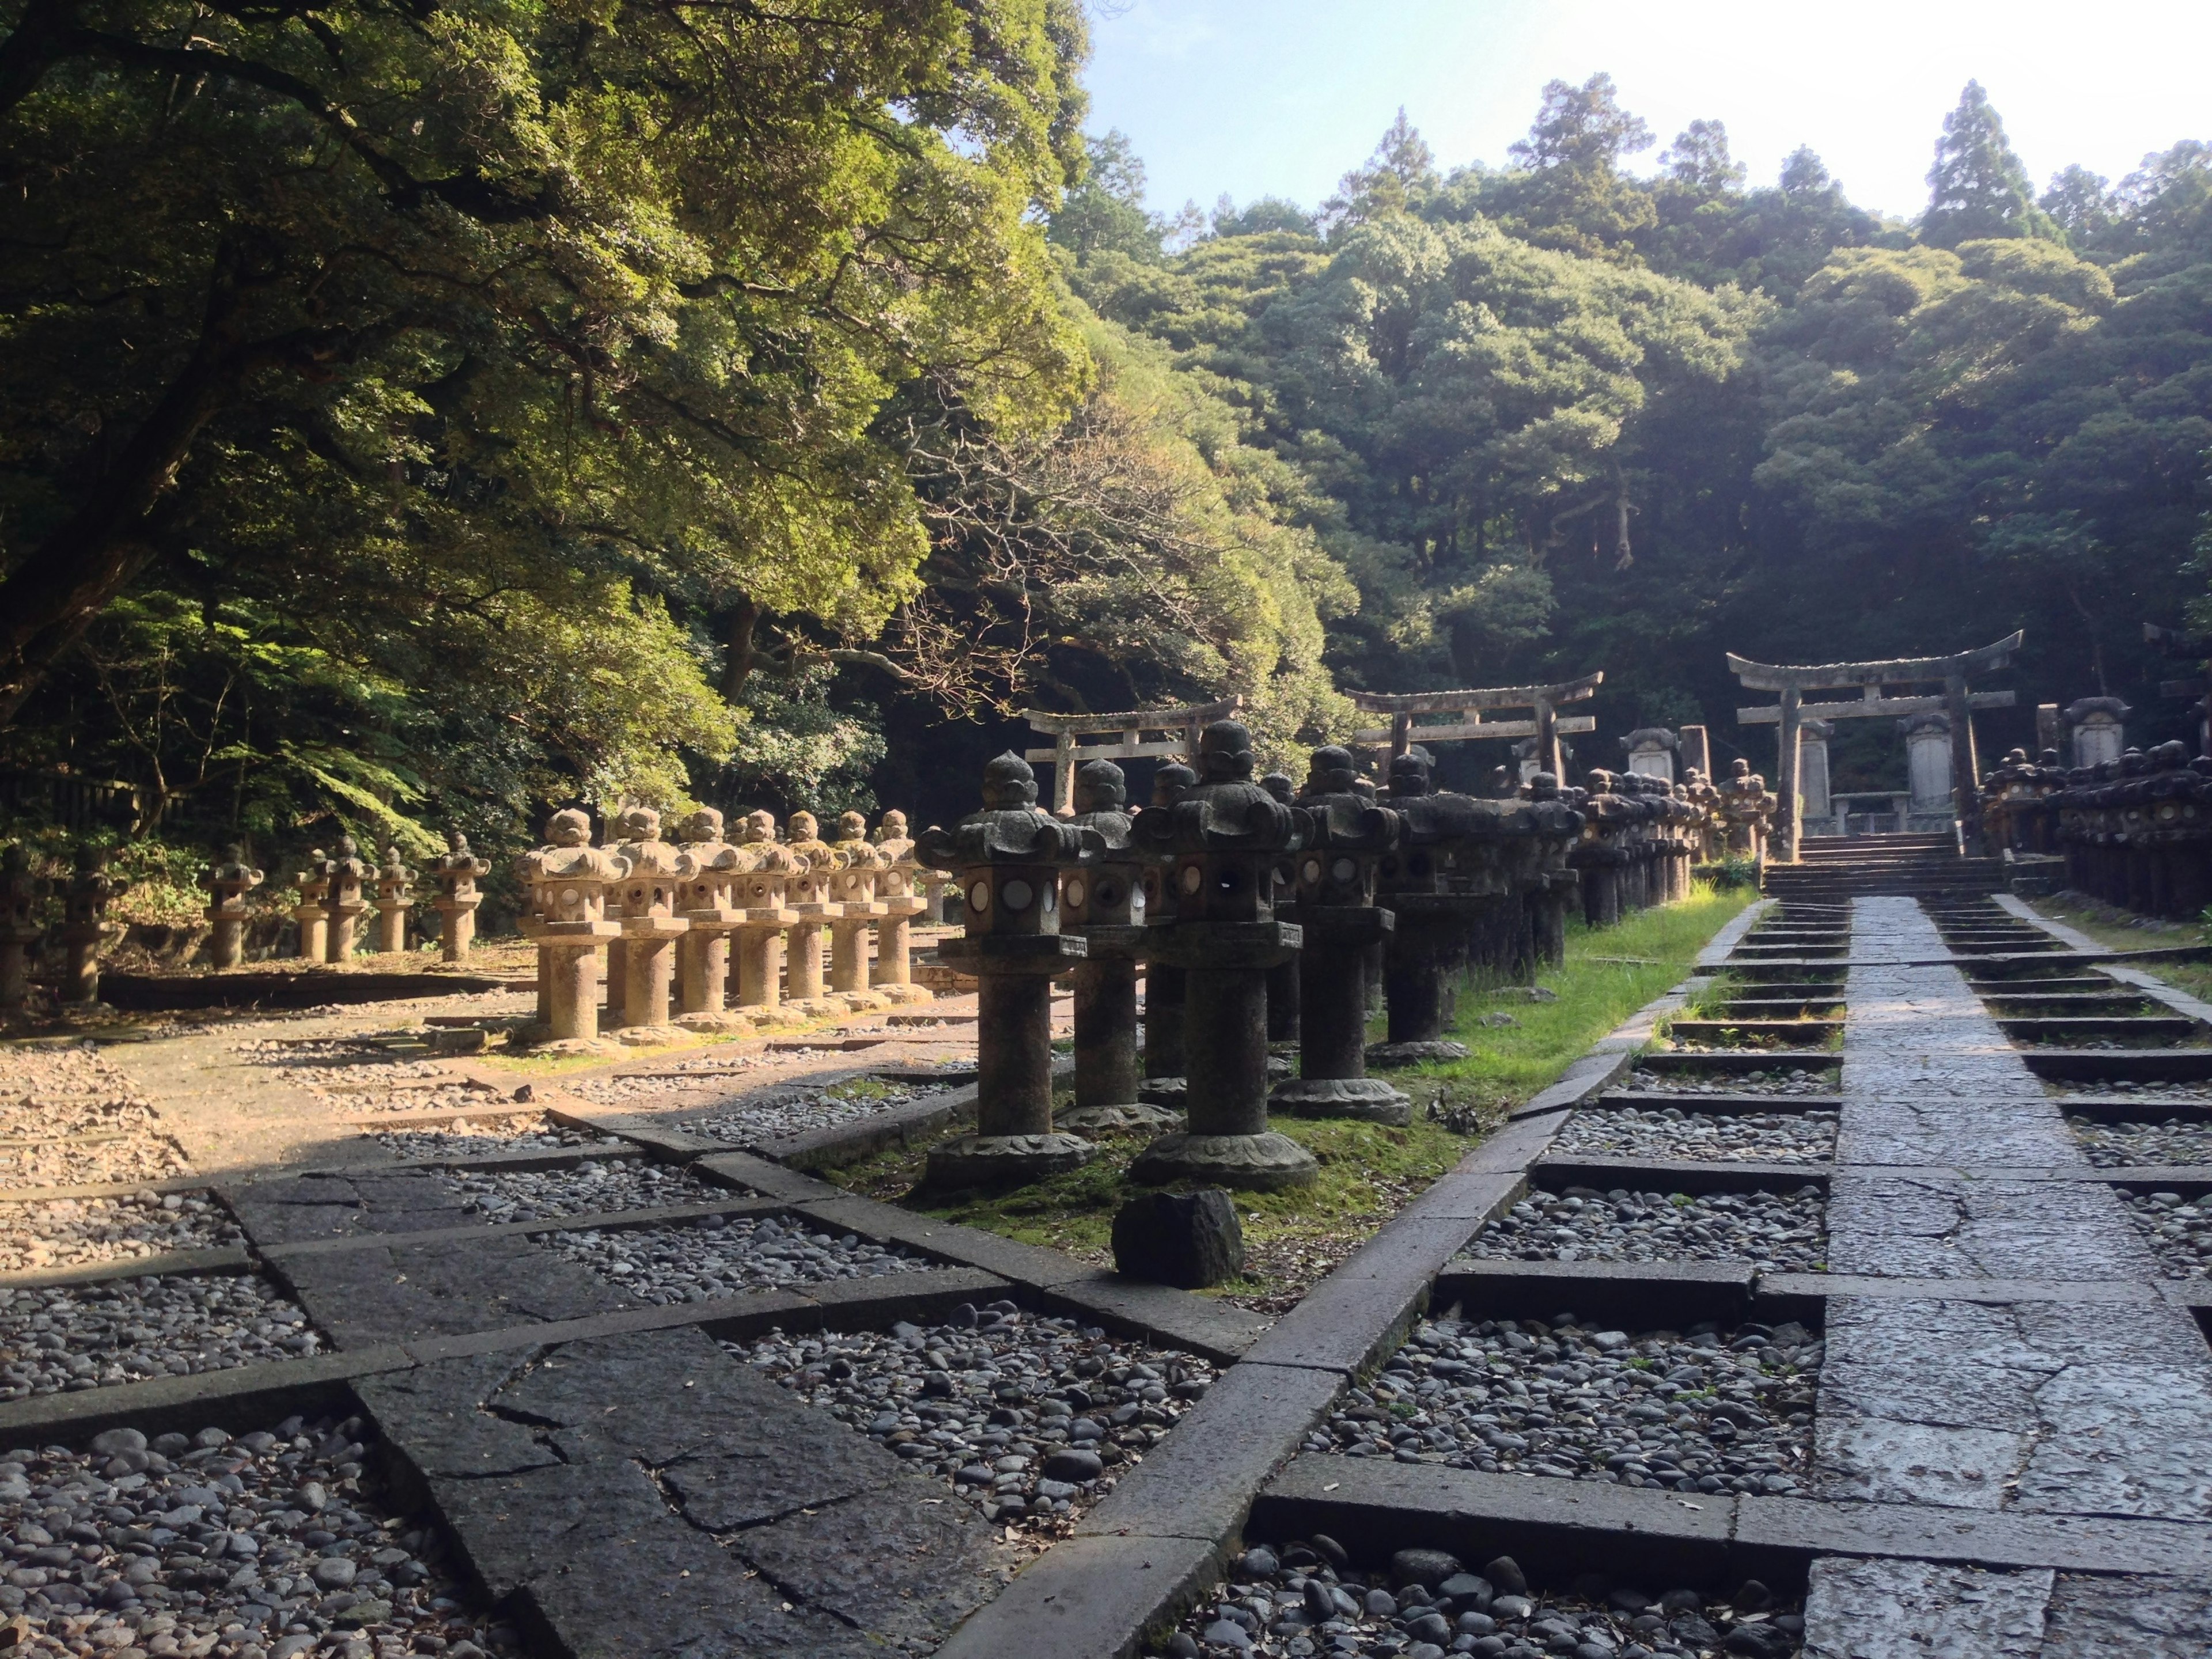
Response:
column 1727, row 1137
column 794, row 1112
column 2118, row 1146
column 1708, row 1410
column 1795, row 1081
column 1028, row 1418
column 69, row 1117
column 1779, row 1232
column 69, row 1232
column 720, row 1255
column 1304, row 1598
column 271, row 1544
column 2144, row 1090
column 2178, row 1230
column 62, row 1338
column 595, row 1185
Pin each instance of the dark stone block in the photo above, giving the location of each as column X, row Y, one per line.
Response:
column 1172, row 1238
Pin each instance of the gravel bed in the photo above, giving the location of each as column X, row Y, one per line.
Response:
column 1709, row 1410
column 1029, row 1419
column 318, row 1061
column 64, row 1338
column 1305, row 1598
column 268, row 1545
column 447, row 1096
column 70, row 1232
column 2202, row 1091
column 719, row 1256
column 1670, row 1132
column 1781, row 1232
column 139, row 1156
column 1795, row 1081
column 770, row 1119
column 2178, row 1231
column 598, row 1184
column 667, row 1077
column 69, row 1118
column 485, row 1137
column 2118, row 1146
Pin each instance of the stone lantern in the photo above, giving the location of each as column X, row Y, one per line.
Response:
column 650, row 926
column 708, row 899
column 1746, row 809
column 227, row 885
column 457, row 870
column 1440, row 880
column 1221, row 844
column 898, row 884
column 1708, row 826
column 813, row 897
column 1283, row 986
column 395, row 897
column 20, row 928
column 1556, row 823
column 1603, row 854
column 1009, row 858
column 312, row 882
column 853, row 882
column 1164, row 982
column 763, row 882
column 1346, row 836
column 1101, row 902
column 569, row 881
column 84, row 927
column 342, row 903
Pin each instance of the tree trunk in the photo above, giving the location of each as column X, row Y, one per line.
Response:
column 738, row 626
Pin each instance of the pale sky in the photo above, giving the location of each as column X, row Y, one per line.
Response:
column 1280, row 97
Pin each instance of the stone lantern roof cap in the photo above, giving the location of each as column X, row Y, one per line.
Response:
column 1010, row 830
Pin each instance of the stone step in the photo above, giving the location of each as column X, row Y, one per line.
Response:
column 2149, row 1028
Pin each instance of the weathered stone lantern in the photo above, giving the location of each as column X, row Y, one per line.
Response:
column 898, row 890
column 21, row 893
column 84, row 927
column 1439, row 881
column 1603, row 855
column 1164, row 982
column 1283, row 979
column 227, row 885
column 853, row 882
column 1746, row 809
column 569, row 881
column 650, row 928
column 1346, row 837
column 814, row 899
column 1009, row 858
column 314, row 920
column 1101, row 902
column 764, row 879
column 1221, row 843
column 1556, row 824
column 457, row 870
column 342, row 902
column 395, row 897
column 709, row 900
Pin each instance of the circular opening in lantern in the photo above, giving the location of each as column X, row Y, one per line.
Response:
column 1016, row 895
column 978, row 897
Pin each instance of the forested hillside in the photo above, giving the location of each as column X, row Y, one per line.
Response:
column 423, row 416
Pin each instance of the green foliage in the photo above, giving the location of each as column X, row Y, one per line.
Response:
column 1978, row 187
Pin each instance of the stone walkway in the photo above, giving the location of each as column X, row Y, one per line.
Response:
column 2015, row 1356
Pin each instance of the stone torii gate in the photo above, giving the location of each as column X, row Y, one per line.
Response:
column 1128, row 741
column 1464, row 712
column 1870, row 677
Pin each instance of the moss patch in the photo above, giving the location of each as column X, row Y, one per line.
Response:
column 2121, row 931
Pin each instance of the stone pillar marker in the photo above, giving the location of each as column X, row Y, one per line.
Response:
column 20, row 894
column 1164, row 982
column 1099, row 904
column 759, row 895
column 707, row 900
column 342, row 902
column 1813, row 770
column 1221, row 844
column 1347, row 836
column 84, row 925
column 395, row 896
column 1696, row 753
column 2098, row 724
column 227, row 883
column 457, row 872
column 568, row 880
column 858, row 865
column 312, row 882
column 1928, row 763
column 650, row 928
column 1651, row 752
column 898, row 883
column 813, row 898
column 1009, row 857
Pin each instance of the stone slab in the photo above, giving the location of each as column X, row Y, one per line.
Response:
column 242, row 1398
column 1675, row 1294
column 1214, row 1330
column 398, row 1292
column 1023, row 1264
column 2081, row 1543
column 230, row 1260
column 1923, row 1610
column 1943, row 1225
column 1680, row 1175
column 1093, row 1597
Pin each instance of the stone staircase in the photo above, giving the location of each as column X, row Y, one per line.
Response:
column 1907, row 867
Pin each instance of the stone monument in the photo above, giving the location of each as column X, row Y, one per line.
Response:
column 2099, row 728
column 227, row 883
column 1927, row 763
column 1813, row 736
column 1650, row 750
column 1009, row 858
column 1221, row 844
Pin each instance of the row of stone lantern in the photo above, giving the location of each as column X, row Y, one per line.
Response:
column 85, row 927
column 1638, row 841
column 334, row 895
column 667, row 917
column 2137, row 831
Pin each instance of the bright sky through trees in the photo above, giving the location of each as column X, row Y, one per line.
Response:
column 1261, row 97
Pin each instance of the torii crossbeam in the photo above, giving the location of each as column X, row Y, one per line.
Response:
column 1464, row 712
column 1128, row 741
column 1870, row 677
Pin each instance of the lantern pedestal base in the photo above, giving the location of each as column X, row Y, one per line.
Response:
column 1108, row 1120
column 647, row 1037
column 727, row 1020
column 1387, row 1054
column 1369, row 1099
column 1268, row 1162
column 1005, row 1160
